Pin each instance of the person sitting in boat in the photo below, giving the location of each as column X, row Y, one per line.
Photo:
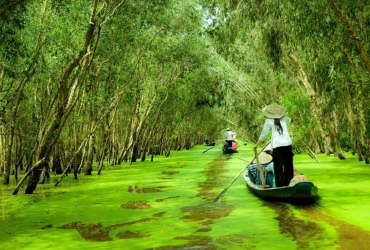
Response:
column 254, row 173
column 269, row 169
column 234, row 146
column 297, row 178
column 234, row 136
column 270, row 176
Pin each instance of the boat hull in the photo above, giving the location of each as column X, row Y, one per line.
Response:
column 229, row 151
column 302, row 192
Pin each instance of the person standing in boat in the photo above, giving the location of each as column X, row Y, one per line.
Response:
column 229, row 137
column 281, row 143
column 206, row 139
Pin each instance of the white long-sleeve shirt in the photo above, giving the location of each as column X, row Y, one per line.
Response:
column 277, row 139
column 229, row 135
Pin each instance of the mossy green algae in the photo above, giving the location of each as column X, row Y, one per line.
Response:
column 89, row 213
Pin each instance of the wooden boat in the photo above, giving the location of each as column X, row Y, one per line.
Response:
column 302, row 192
column 209, row 144
column 229, row 150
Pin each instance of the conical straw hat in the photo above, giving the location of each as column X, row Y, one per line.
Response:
column 274, row 111
column 268, row 147
column 264, row 158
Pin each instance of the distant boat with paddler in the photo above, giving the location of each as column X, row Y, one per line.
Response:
column 230, row 150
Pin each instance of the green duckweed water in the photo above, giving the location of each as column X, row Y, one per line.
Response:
column 168, row 204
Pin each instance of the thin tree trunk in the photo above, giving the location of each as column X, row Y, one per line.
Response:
column 56, row 160
column 90, row 154
column 102, row 150
column 2, row 150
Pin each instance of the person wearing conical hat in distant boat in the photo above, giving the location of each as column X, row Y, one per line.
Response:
column 281, row 142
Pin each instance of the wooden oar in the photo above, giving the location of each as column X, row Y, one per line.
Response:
column 260, row 168
column 208, row 149
column 236, row 177
column 243, row 159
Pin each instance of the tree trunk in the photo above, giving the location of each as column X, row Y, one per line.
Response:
column 90, row 155
column 66, row 101
column 56, row 166
column 2, row 151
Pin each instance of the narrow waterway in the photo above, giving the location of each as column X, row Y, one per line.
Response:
column 168, row 204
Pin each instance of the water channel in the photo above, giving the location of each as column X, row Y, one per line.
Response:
column 168, row 204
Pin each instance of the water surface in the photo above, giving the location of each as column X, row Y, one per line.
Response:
column 168, row 204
